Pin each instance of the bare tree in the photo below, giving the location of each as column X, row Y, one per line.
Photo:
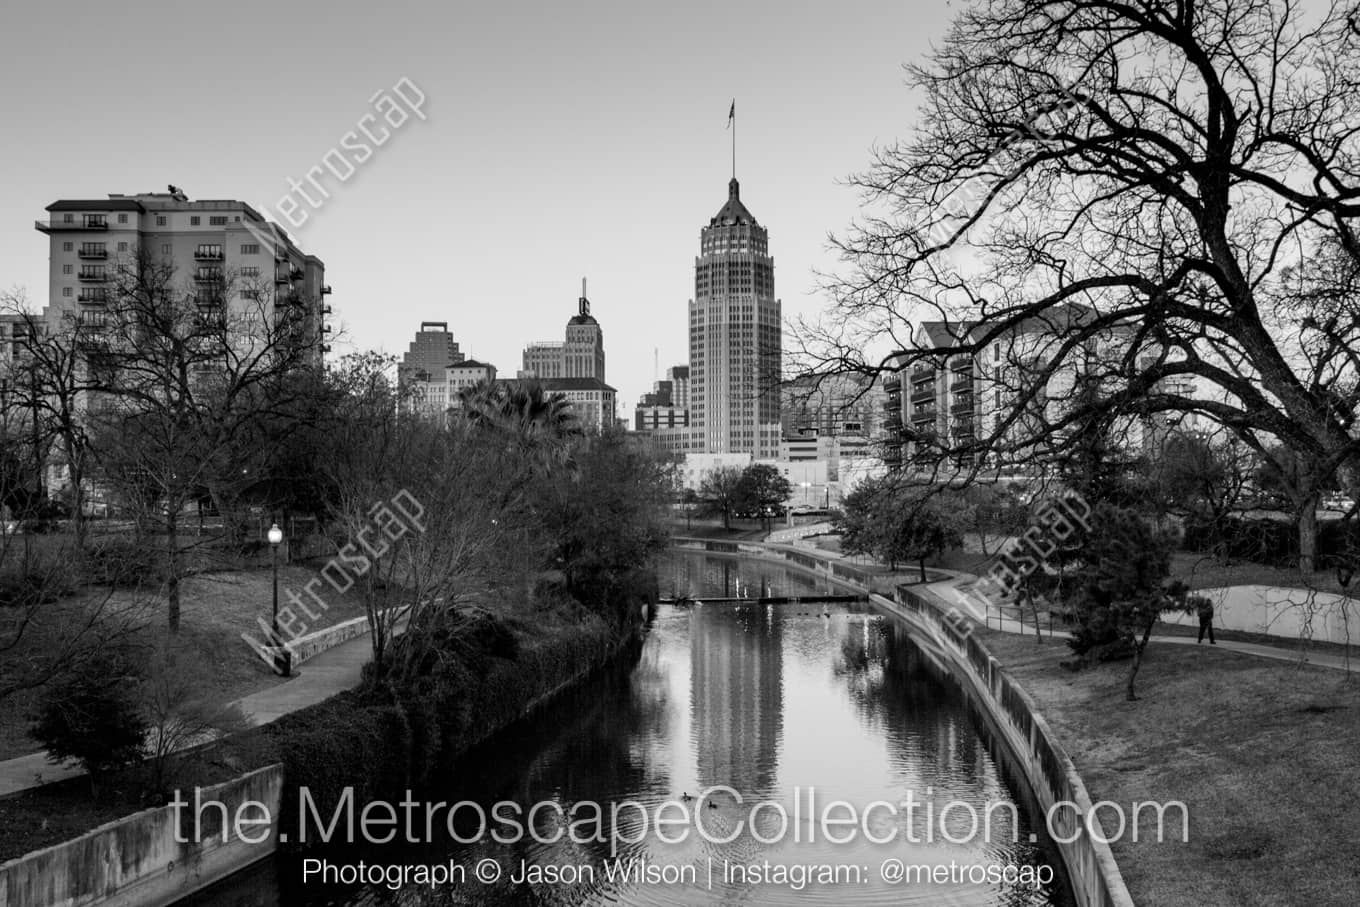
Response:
column 177, row 374
column 1127, row 190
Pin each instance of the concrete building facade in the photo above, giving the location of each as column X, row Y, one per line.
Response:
column 580, row 355
column 223, row 252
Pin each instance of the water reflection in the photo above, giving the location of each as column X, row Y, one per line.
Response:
column 788, row 704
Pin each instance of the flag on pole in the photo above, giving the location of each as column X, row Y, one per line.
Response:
column 732, row 112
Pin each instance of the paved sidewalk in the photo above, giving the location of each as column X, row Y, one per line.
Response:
column 1287, row 650
column 952, row 592
column 320, row 677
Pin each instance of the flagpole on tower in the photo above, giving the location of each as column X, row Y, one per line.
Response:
column 732, row 124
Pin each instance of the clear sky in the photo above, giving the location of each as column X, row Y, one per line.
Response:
column 561, row 140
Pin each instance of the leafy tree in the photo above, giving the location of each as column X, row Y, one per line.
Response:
column 895, row 522
column 719, row 492
column 91, row 716
column 760, row 489
column 607, row 520
column 1120, row 588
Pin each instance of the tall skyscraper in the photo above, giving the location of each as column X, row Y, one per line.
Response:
column 734, row 337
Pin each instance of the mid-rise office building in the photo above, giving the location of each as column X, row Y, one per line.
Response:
column 581, row 355
column 432, row 351
column 592, row 401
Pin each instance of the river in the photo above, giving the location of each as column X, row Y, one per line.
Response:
column 745, row 728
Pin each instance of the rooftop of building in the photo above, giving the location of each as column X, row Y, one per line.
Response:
column 575, row 384
column 733, row 213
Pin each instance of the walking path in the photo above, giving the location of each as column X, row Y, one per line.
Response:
column 952, row 592
column 320, row 677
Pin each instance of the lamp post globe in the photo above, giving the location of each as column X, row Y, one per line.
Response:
column 282, row 659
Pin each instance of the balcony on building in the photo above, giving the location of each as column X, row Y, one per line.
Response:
column 962, row 381
column 962, row 404
column 296, row 273
column 93, row 250
column 86, row 222
column 892, row 383
column 922, row 393
column 208, row 275
column 97, row 296
column 326, row 290
column 92, row 275
column 204, row 253
column 922, row 370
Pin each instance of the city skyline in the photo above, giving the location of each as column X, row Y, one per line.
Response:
column 575, row 142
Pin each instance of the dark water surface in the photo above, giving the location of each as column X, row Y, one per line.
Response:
column 783, row 704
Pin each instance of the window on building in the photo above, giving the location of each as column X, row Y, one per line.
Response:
column 250, row 248
column 194, row 220
column 122, row 247
column 68, row 247
column 67, row 269
column 165, row 248
column 122, row 218
column 66, row 291
column 68, row 218
column 160, row 220
column 217, row 221
column 251, row 271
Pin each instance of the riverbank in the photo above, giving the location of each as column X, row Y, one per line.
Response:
column 1262, row 754
column 356, row 738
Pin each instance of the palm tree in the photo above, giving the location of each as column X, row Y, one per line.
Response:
column 540, row 422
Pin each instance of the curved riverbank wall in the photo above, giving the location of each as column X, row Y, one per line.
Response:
column 147, row 859
column 946, row 638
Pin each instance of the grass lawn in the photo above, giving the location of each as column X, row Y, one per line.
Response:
column 215, row 609
column 1266, row 757
column 1204, row 571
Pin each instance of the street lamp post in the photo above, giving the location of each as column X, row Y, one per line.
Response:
column 282, row 657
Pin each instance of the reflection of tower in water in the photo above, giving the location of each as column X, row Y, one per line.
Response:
column 737, row 696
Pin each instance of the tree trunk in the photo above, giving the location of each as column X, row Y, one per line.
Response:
column 1308, row 533
column 1034, row 610
column 172, row 566
column 922, row 563
column 1133, row 671
column 1138, row 647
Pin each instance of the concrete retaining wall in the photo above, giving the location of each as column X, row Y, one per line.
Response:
column 946, row 639
column 137, row 861
column 304, row 647
column 1287, row 613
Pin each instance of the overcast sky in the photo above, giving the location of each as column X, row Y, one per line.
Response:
column 560, row 141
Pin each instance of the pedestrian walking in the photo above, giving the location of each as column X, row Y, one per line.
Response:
column 1205, row 609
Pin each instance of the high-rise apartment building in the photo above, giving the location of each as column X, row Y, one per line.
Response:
column 734, row 337
column 222, row 251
